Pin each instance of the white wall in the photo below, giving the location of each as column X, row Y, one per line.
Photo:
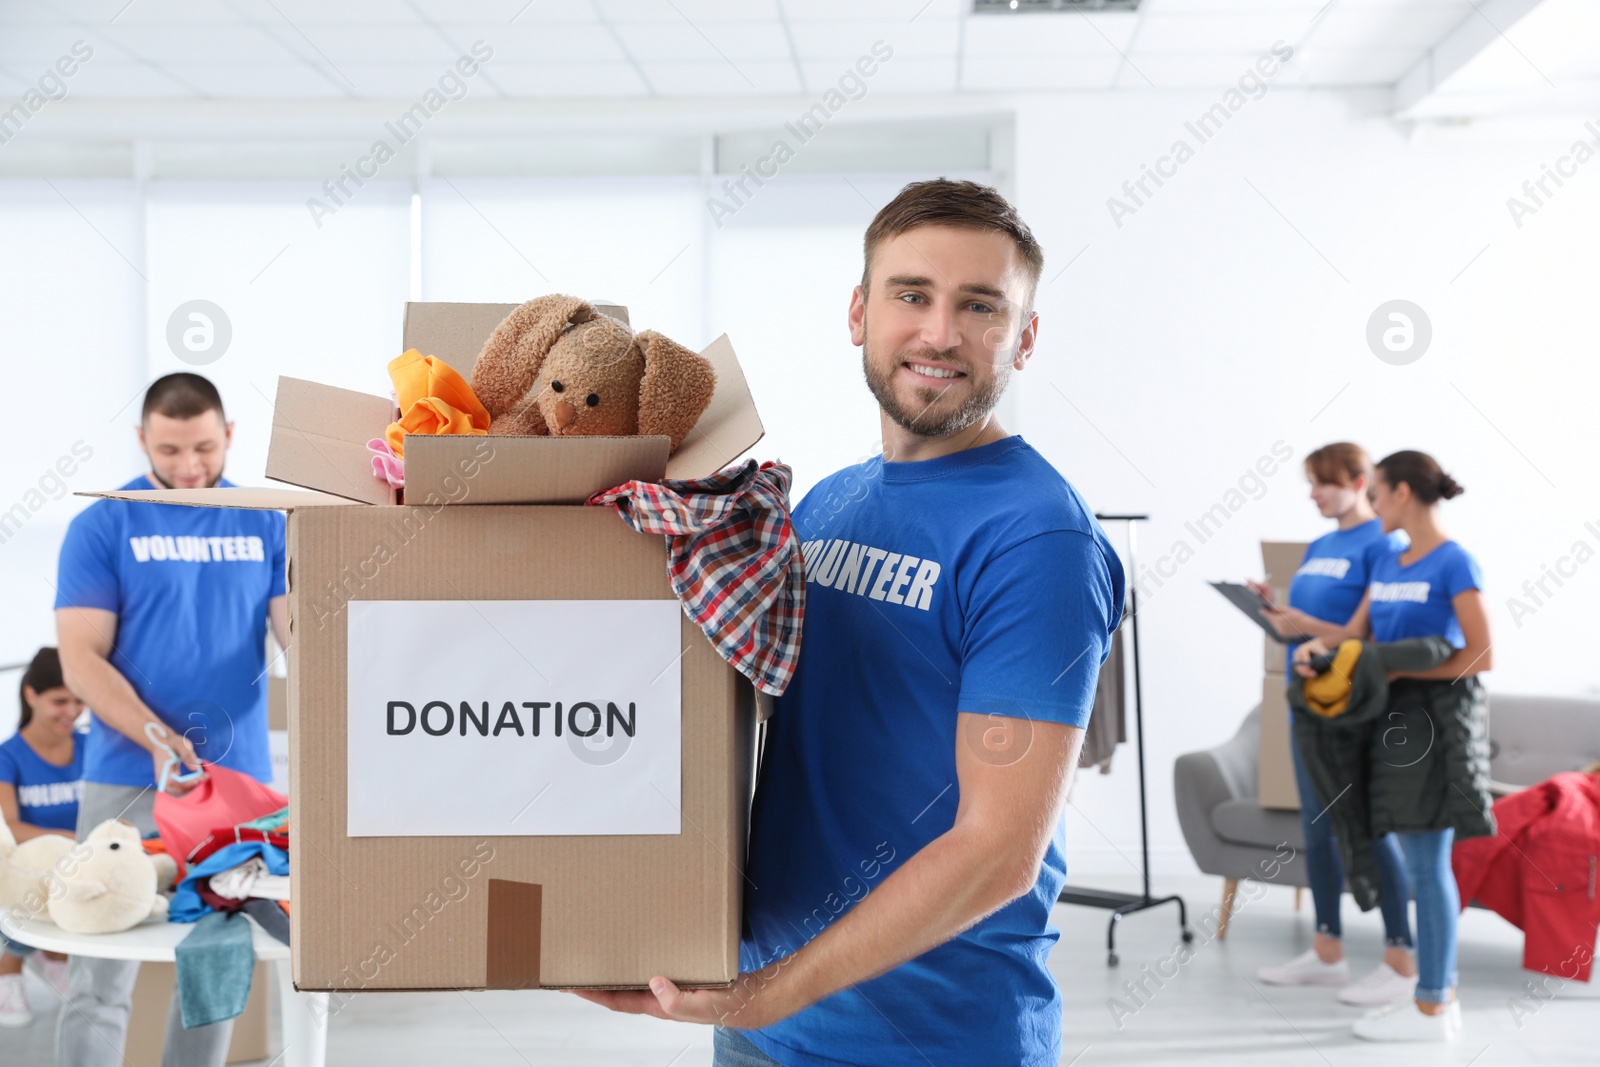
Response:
column 1205, row 329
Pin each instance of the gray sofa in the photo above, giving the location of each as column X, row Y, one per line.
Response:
column 1232, row 836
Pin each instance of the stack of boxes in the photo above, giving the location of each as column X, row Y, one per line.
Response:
column 1281, row 559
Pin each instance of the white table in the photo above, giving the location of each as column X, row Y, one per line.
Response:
column 304, row 1015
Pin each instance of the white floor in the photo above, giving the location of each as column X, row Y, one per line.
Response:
column 1210, row 1011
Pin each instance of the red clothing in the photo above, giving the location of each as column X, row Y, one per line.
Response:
column 1540, row 871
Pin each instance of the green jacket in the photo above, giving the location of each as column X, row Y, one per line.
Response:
column 1411, row 756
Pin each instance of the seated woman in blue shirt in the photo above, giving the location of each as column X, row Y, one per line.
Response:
column 1434, row 587
column 1323, row 595
column 41, row 778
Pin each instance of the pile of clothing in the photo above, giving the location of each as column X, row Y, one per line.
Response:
column 236, row 871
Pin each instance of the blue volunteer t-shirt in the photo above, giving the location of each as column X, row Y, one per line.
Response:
column 1419, row 600
column 1333, row 577
column 47, row 795
column 976, row 582
column 190, row 588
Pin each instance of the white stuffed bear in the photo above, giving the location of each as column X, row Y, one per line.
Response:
column 26, row 871
column 109, row 889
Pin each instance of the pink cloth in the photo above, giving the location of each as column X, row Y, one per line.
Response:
column 385, row 464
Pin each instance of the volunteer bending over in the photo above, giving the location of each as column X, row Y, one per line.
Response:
column 162, row 613
column 907, row 842
column 41, row 779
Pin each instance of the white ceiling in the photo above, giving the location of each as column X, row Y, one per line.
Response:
column 249, row 50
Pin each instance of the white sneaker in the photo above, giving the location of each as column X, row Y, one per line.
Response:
column 1383, row 986
column 1402, row 1021
column 1306, row 969
column 14, row 1010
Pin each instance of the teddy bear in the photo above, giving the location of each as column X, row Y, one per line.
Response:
column 27, row 870
column 111, row 888
column 555, row 366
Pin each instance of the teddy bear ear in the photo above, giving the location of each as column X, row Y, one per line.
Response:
column 676, row 388
column 515, row 351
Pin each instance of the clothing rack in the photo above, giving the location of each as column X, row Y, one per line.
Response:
column 1120, row 903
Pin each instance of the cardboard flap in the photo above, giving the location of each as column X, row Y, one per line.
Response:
column 526, row 470
column 729, row 427
column 319, row 440
column 1281, row 559
column 250, row 499
column 456, row 333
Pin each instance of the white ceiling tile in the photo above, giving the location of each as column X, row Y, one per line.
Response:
column 1252, row 32
column 508, row 12
column 1308, row 8
column 389, row 44
column 306, row 13
column 1386, row 27
column 881, row 10
column 105, row 82
column 536, row 80
column 895, row 77
column 1167, row 70
column 533, row 43
column 923, row 39
column 751, row 78
column 982, row 74
column 200, row 44
column 233, row 81
column 398, row 81
column 684, row 42
column 1002, row 36
column 696, row 11
column 28, row 50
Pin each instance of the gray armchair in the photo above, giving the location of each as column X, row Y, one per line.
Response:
column 1232, row 836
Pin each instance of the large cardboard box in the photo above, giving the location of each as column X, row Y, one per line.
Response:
column 429, row 851
column 1280, row 559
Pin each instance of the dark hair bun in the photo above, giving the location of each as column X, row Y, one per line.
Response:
column 1449, row 488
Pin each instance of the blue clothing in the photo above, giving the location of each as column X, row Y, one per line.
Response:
column 730, row 1048
column 1326, row 874
column 190, row 587
column 186, row 904
column 1333, row 577
column 1419, row 600
column 47, row 795
column 1438, row 911
column 215, row 962
column 975, row 582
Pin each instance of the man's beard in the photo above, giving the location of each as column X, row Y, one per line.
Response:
column 920, row 418
column 212, row 484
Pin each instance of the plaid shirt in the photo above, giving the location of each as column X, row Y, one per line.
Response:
column 734, row 560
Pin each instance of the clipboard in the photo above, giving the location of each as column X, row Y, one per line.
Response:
column 1245, row 599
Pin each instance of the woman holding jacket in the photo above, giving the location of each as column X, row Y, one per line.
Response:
column 1325, row 592
column 1428, row 760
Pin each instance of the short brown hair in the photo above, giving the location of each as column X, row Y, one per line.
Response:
column 1340, row 463
column 182, row 396
column 943, row 202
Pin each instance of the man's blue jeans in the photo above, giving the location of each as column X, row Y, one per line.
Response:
column 730, row 1048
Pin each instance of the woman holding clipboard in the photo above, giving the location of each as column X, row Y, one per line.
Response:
column 1327, row 589
column 1429, row 764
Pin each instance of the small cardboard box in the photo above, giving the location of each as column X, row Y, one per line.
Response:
column 426, row 853
column 1277, row 788
column 152, row 998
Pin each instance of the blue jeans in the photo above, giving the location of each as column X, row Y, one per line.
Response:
column 1326, row 875
column 730, row 1048
column 1438, row 911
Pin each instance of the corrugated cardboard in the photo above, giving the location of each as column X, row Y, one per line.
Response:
column 1278, row 788
column 505, row 911
column 152, row 997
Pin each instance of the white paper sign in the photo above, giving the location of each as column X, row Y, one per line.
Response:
column 513, row 717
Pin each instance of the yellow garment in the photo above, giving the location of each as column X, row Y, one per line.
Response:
column 433, row 399
column 1328, row 693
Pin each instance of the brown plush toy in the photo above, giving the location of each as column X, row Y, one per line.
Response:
column 556, row 366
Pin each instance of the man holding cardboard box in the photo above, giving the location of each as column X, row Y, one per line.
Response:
column 161, row 613
column 907, row 843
